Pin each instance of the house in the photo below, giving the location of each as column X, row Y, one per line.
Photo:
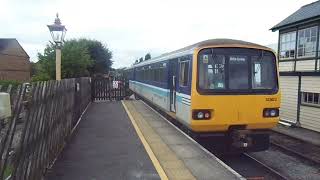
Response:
column 14, row 61
column 299, row 66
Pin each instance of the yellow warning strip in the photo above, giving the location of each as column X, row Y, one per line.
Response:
column 153, row 158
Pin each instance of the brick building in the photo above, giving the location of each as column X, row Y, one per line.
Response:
column 14, row 61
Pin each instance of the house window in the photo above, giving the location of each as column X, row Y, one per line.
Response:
column 287, row 45
column 184, row 73
column 309, row 98
column 307, row 39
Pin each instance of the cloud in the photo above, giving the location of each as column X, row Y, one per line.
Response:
column 133, row 28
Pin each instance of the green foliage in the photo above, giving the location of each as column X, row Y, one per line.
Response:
column 141, row 59
column 80, row 57
column 8, row 171
column 33, row 68
column 100, row 55
column 6, row 83
column 147, row 56
column 40, row 77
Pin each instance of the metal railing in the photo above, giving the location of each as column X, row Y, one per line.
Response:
column 43, row 115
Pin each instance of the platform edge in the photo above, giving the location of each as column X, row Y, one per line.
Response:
column 147, row 147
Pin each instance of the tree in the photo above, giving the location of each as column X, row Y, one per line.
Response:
column 80, row 57
column 100, row 55
column 75, row 61
column 137, row 61
column 147, row 56
column 141, row 59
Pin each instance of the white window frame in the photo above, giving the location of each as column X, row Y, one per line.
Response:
column 288, row 42
column 307, row 39
column 306, row 102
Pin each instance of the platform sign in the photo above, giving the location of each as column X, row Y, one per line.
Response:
column 115, row 84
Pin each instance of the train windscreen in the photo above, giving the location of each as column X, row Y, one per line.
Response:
column 236, row 70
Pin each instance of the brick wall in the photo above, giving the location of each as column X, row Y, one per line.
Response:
column 14, row 68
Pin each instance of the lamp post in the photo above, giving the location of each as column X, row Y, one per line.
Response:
column 58, row 32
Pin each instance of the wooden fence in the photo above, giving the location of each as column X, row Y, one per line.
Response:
column 43, row 115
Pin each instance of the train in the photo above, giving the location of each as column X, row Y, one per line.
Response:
column 224, row 89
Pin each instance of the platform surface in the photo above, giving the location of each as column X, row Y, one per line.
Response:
column 105, row 145
column 129, row 140
column 303, row 134
column 179, row 155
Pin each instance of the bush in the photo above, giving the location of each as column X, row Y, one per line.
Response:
column 6, row 83
column 40, row 77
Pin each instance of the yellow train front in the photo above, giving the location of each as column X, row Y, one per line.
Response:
column 223, row 89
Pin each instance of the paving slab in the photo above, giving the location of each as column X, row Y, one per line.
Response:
column 105, row 145
column 179, row 156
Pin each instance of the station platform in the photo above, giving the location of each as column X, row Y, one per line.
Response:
column 303, row 134
column 128, row 140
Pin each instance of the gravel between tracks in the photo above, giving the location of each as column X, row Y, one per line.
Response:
column 289, row 166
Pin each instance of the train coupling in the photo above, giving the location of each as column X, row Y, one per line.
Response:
column 241, row 138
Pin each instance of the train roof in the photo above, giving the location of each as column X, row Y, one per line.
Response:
column 191, row 48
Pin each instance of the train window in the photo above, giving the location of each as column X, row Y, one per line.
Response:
column 144, row 75
column 161, row 74
column 238, row 72
column 212, row 72
column 184, row 73
column 151, row 74
column 158, row 75
column 263, row 73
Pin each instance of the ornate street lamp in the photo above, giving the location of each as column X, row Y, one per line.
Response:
column 58, row 31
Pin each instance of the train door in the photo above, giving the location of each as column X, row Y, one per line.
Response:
column 173, row 72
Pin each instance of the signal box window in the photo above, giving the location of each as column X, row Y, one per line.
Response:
column 309, row 98
column 184, row 73
column 287, row 45
column 307, row 39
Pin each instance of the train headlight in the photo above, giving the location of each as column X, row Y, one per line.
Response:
column 271, row 112
column 201, row 114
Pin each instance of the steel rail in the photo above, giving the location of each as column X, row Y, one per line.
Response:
column 274, row 172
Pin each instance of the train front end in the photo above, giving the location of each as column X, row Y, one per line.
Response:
column 235, row 93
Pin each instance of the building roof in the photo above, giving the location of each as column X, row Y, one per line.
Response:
column 307, row 12
column 11, row 47
column 191, row 48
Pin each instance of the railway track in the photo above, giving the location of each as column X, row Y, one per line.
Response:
column 296, row 147
column 251, row 168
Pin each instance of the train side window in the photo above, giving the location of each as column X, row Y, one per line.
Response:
column 184, row 73
column 156, row 74
column 161, row 74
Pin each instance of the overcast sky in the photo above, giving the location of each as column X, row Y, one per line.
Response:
column 132, row 28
